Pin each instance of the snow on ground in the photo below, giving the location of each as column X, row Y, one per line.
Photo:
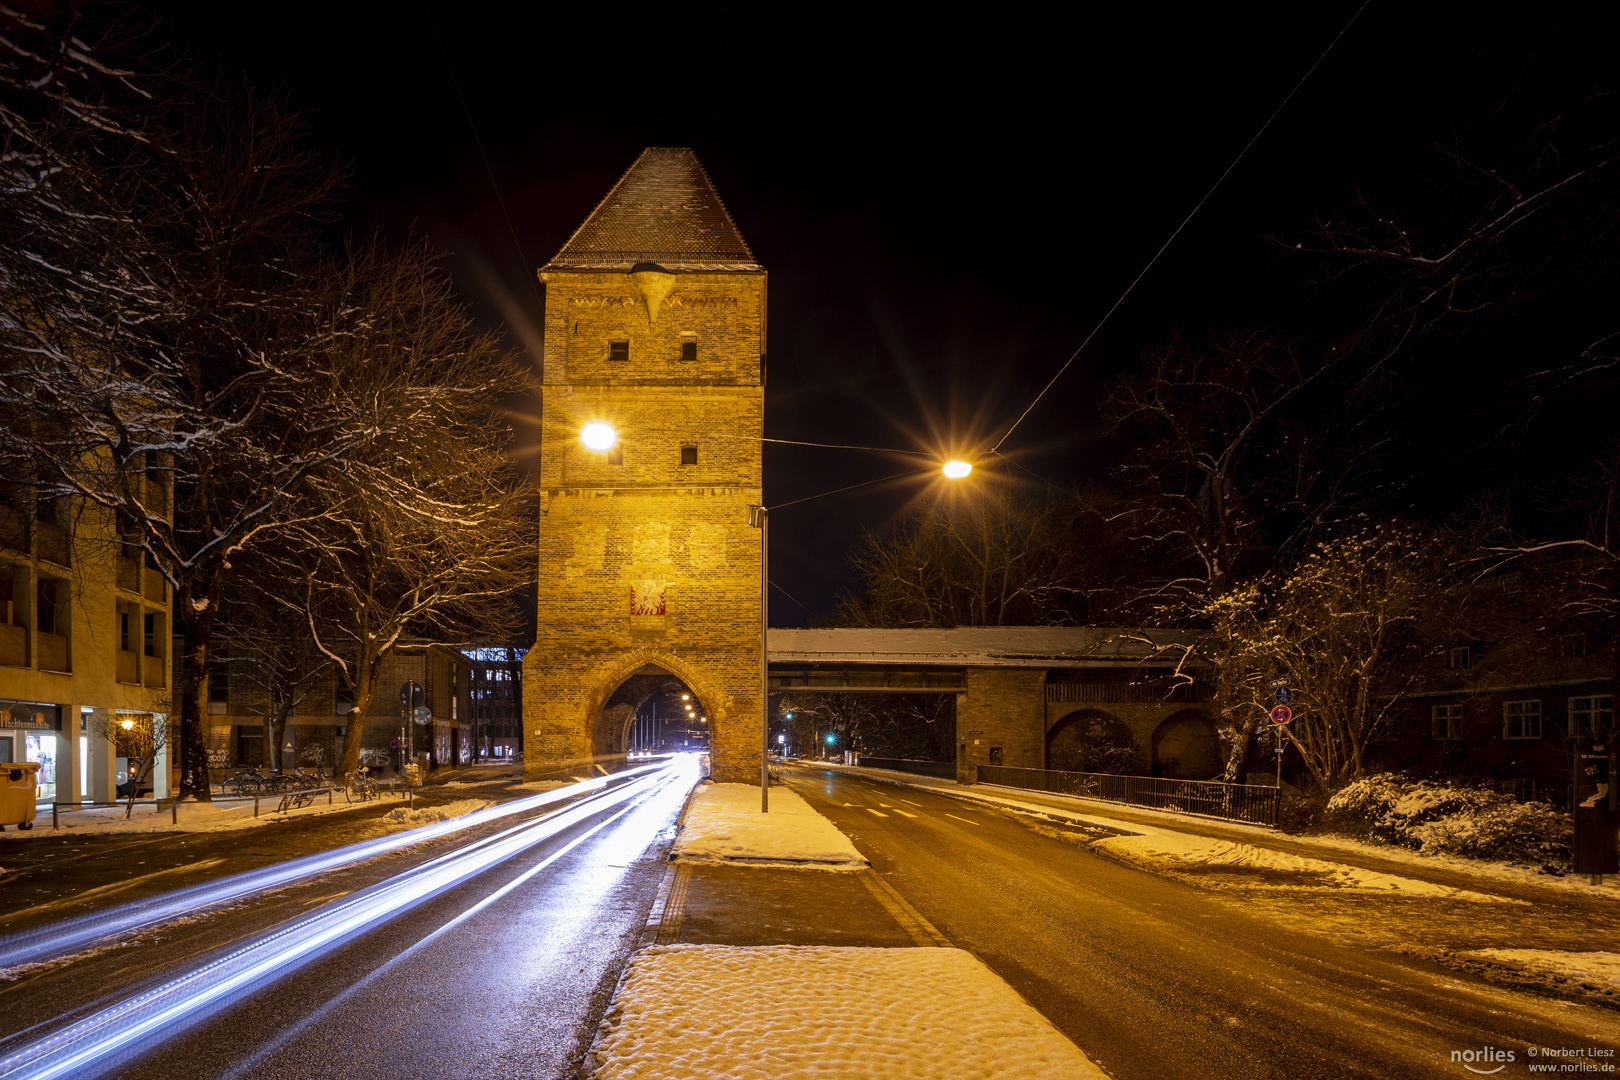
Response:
column 1597, row 967
column 724, row 825
column 427, row 815
column 1176, row 851
column 211, row 817
column 758, row 1013
column 544, row 785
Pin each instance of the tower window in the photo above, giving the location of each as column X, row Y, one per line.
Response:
column 689, row 349
column 615, row 454
column 688, row 455
column 618, row 350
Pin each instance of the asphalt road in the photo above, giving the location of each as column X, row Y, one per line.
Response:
column 1154, row 978
column 490, row 970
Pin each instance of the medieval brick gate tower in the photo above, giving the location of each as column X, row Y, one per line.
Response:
column 649, row 568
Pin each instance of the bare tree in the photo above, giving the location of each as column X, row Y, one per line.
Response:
column 424, row 531
column 267, row 647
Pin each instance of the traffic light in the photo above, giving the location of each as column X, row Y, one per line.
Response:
column 790, row 716
column 832, row 739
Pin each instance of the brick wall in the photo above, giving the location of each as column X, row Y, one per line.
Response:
column 1005, row 708
column 649, row 521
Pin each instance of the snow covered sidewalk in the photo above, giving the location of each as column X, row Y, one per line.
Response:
column 760, row 1013
column 724, row 825
column 230, row 817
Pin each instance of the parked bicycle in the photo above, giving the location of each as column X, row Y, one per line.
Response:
column 361, row 787
column 246, row 782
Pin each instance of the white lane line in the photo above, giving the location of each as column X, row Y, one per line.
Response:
column 963, row 819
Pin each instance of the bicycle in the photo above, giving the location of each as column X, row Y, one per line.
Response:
column 246, row 782
column 360, row 786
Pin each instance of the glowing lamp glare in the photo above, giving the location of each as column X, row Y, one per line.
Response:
column 956, row 470
column 598, row 436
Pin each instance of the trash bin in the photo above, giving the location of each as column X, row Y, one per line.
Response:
column 17, row 793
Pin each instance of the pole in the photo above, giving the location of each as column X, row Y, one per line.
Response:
column 764, row 661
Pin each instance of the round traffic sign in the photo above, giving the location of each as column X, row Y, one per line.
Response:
column 422, row 715
column 1281, row 714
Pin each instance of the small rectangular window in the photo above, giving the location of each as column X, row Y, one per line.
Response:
column 618, row 350
column 688, row 455
column 1446, row 721
column 1458, row 658
column 615, row 455
column 1521, row 719
column 689, row 350
column 995, row 755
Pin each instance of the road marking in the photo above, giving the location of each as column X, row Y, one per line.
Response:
column 908, row 802
column 855, row 805
column 896, row 809
column 879, row 813
column 962, row 819
column 919, row 929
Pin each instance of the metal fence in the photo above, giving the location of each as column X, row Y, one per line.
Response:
column 945, row 770
column 1205, row 798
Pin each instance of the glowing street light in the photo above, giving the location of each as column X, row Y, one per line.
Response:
column 598, row 436
column 126, row 724
column 956, row 470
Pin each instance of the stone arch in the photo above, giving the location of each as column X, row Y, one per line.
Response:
column 603, row 732
column 1186, row 747
column 1091, row 740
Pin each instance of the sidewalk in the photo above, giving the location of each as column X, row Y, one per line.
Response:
column 1446, row 872
column 751, row 969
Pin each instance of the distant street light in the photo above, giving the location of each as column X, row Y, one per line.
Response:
column 598, row 436
column 956, row 470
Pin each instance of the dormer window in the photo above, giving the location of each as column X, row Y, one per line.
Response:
column 618, row 350
column 1458, row 658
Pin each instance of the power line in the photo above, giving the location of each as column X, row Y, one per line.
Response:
column 1076, row 354
column 851, row 487
column 467, row 112
column 827, row 446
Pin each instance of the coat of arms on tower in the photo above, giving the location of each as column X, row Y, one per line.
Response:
column 647, row 598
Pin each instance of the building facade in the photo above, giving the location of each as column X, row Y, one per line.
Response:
column 648, row 564
column 84, row 643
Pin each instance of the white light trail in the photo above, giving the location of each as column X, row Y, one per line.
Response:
column 71, row 935
column 88, row 1043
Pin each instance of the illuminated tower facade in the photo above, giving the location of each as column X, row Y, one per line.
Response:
column 648, row 567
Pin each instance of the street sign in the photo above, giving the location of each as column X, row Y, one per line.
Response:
column 410, row 694
column 1281, row 714
column 1282, row 692
column 422, row 715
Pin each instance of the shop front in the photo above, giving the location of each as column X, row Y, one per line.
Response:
column 28, row 733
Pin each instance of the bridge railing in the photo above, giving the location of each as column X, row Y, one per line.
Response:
column 1251, row 803
column 945, row 770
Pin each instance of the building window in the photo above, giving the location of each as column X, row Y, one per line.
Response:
column 1572, row 645
column 688, row 455
column 1521, row 719
column 689, row 349
column 1522, row 789
column 1386, row 728
column 618, row 350
column 219, row 678
column 1458, row 657
column 995, row 755
column 614, row 455
column 1446, row 721
column 1591, row 717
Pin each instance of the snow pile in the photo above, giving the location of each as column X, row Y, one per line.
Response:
column 724, row 825
column 220, row 816
column 1174, row 851
column 729, row 1013
column 1436, row 818
column 1591, row 967
column 428, row 815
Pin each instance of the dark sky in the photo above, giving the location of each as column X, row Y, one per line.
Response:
column 946, row 204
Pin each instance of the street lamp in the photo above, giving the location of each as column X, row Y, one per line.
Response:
column 957, row 469
column 598, row 436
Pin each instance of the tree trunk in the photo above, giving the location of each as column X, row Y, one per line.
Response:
column 199, row 629
column 1237, row 759
column 367, row 669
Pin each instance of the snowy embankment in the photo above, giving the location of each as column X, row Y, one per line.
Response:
column 1162, row 849
column 724, row 825
column 726, row 1012
column 1582, row 967
column 232, row 816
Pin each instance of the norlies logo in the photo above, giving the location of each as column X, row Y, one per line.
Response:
column 1481, row 1061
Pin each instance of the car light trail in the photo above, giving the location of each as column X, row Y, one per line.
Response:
column 87, row 1044
column 71, row 935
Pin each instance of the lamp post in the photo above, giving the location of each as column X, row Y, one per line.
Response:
column 760, row 518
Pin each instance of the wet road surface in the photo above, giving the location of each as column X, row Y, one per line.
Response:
column 500, row 971
column 1155, row 978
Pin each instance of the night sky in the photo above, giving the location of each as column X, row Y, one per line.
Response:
column 946, row 205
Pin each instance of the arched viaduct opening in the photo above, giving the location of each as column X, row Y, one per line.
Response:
column 1092, row 740
column 1186, row 747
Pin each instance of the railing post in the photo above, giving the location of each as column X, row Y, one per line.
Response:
column 174, row 812
column 255, row 806
column 53, row 816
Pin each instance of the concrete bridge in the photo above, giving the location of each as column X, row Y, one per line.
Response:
column 1025, row 696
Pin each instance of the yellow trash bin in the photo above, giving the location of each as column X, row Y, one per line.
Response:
column 17, row 792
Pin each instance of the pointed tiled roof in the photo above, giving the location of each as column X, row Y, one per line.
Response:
column 663, row 210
